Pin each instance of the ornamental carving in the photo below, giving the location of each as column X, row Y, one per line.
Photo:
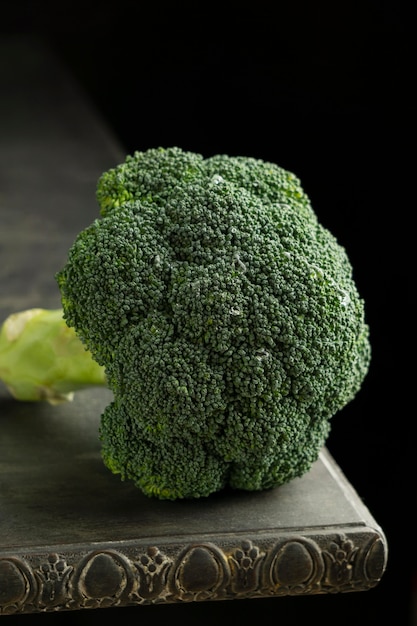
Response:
column 245, row 564
column 201, row 572
column 101, row 579
column 184, row 573
column 152, row 570
column 295, row 565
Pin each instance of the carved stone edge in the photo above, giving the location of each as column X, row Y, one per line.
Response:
column 136, row 573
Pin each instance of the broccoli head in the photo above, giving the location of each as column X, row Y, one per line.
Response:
column 226, row 318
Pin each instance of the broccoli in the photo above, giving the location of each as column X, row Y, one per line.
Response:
column 41, row 358
column 225, row 316
column 220, row 313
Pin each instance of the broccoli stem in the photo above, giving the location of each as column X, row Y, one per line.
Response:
column 42, row 359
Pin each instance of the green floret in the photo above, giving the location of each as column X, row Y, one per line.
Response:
column 164, row 465
column 147, row 176
column 226, row 317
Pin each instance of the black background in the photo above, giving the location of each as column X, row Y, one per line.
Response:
column 324, row 89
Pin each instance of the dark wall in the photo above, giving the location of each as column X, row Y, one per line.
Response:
column 323, row 89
